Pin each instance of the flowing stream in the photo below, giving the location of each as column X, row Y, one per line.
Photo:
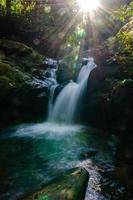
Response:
column 31, row 155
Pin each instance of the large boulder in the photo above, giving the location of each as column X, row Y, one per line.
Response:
column 23, row 97
column 70, row 186
column 19, row 55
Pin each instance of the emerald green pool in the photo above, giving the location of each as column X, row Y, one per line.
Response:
column 34, row 154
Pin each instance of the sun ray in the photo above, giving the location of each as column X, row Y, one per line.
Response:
column 88, row 5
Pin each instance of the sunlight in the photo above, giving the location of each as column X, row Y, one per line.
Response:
column 88, row 5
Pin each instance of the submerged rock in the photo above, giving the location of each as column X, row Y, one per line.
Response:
column 70, row 186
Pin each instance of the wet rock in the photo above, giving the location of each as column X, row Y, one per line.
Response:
column 99, row 74
column 110, row 105
column 70, row 186
column 23, row 97
column 88, row 154
column 20, row 54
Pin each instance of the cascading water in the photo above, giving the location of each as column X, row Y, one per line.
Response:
column 64, row 108
column 51, row 99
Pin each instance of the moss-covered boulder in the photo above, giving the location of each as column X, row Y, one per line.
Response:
column 19, row 54
column 22, row 96
column 70, row 186
column 11, row 77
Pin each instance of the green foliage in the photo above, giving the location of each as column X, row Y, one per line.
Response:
column 125, row 48
column 2, row 7
column 18, row 6
column 43, row 198
column 22, row 6
column 74, row 39
column 55, row 29
column 42, row 24
column 3, row 3
column 124, row 12
column 125, row 39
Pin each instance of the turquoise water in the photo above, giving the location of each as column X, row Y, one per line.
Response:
column 32, row 155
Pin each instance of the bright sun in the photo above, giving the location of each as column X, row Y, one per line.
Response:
column 88, row 5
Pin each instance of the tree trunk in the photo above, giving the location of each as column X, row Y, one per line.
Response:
column 8, row 7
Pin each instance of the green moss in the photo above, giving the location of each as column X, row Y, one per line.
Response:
column 18, row 93
column 20, row 55
column 12, row 73
column 10, row 46
column 11, row 78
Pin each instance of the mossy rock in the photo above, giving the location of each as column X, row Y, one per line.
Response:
column 19, row 91
column 71, row 186
column 10, row 46
column 10, row 78
column 20, row 54
column 15, row 75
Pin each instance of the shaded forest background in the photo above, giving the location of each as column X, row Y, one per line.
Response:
column 55, row 27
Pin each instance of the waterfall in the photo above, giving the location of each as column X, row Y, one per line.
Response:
column 65, row 106
column 51, row 100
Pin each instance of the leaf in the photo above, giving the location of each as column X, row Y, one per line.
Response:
column 44, row 198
